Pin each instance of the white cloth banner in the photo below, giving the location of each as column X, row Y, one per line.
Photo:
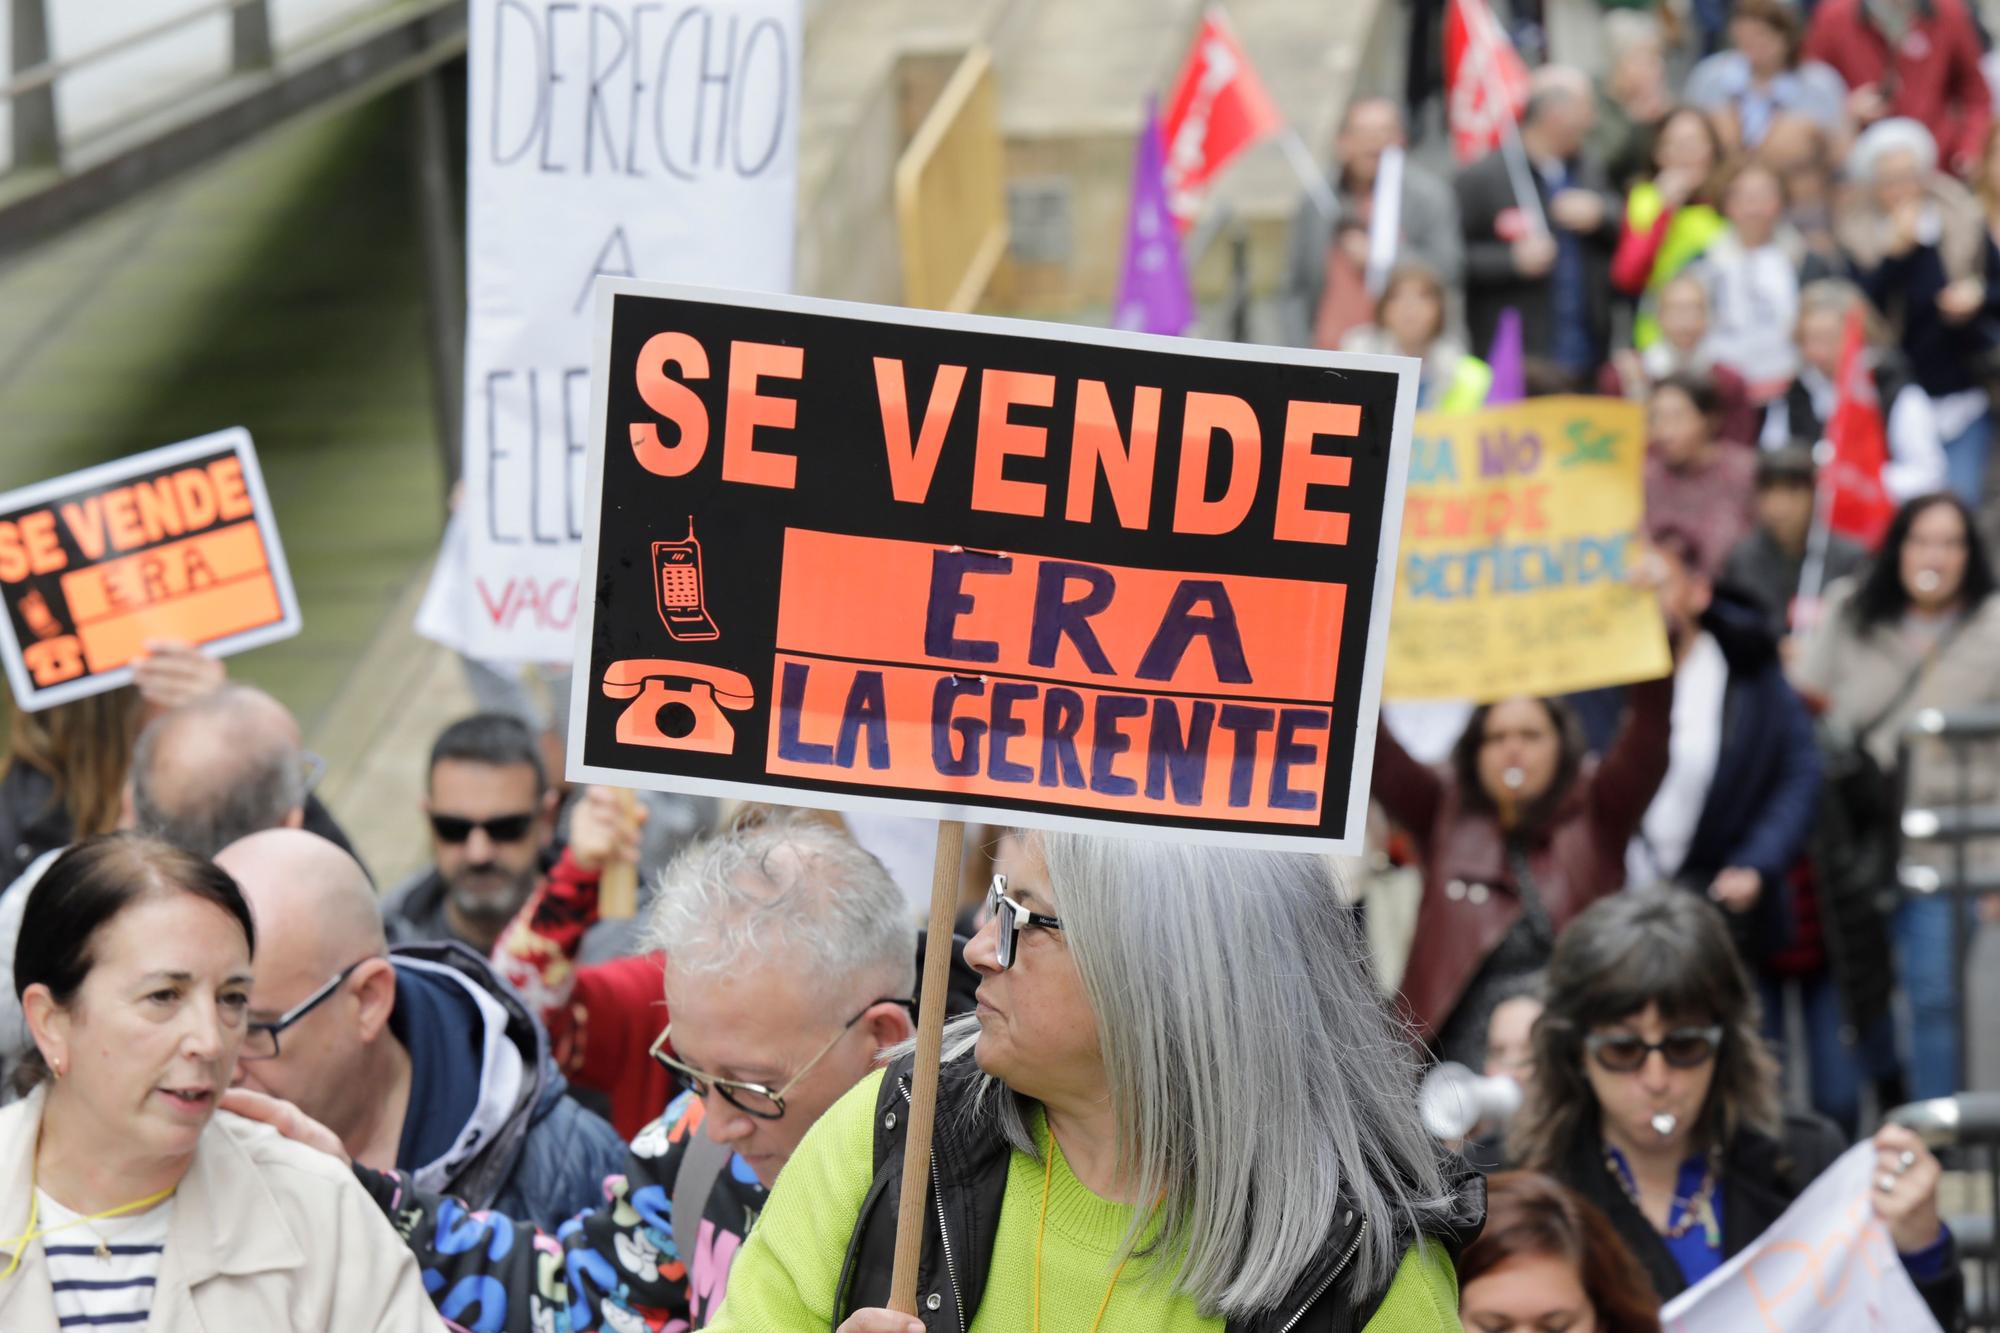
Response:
column 626, row 137
column 1826, row 1266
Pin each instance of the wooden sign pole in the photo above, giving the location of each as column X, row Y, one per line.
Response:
column 924, row 1079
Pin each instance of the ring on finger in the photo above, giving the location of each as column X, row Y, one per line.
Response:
column 1886, row 1182
column 1904, row 1161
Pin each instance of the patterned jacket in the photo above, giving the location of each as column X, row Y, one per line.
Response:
column 621, row 1268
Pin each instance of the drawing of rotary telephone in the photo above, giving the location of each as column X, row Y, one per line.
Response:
column 677, row 705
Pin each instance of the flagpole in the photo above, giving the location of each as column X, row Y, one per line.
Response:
column 1302, row 163
column 1812, row 573
column 1512, row 150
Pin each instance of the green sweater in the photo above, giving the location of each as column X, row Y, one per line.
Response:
column 785, row 1275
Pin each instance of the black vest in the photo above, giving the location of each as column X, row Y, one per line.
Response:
column 969, row 1158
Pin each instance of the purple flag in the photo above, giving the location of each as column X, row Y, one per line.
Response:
column 1153, row 292
column 1510, row 384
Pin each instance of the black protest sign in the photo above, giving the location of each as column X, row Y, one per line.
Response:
column 973, row 568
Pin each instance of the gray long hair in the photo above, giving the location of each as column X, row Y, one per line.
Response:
column 1254, row 1073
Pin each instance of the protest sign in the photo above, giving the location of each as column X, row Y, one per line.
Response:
column 175, row 543
column 972, row 568
column 1519, row 533
column 603, row 137
column 1826, row 1266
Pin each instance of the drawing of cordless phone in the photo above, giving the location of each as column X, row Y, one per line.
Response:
column 677, row 587
column 677, row 705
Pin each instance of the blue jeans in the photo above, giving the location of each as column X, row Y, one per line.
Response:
column 1965, row 459
column 1925, row 965
column 1834, row 1069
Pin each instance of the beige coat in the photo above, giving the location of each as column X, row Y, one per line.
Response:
column 265, row 1235
column 1859, row 674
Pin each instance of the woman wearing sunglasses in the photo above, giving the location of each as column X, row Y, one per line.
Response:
column 1654, row 1097
column 1179, row 1107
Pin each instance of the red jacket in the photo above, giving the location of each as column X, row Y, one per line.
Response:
column 1932, row 76
column 1470, row 900
column 602, row 1018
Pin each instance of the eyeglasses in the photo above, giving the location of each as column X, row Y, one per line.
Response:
column 260, row 1041
column 500, row 828
column 1011, row 917
column 754, row 1098
column 1683, row 1048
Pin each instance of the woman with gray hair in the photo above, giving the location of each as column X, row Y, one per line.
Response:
column 1179, row 1107
column 1921, row 252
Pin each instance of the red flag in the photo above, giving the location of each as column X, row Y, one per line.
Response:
column 1219, row 107
column 1486, row 85
column 1853, row 478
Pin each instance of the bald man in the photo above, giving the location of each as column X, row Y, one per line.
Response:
column 223, row 766
column 420, row 1059
column 1326, row 293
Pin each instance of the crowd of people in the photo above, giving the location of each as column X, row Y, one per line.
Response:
column 250, row 1086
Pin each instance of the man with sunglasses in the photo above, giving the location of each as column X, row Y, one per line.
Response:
column 419, row 1059
column 793, row 972
column 492, row 818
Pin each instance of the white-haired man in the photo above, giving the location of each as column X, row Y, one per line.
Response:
column 790, row 971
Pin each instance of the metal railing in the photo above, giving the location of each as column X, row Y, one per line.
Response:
column 62, row 175
column 1971, row 1120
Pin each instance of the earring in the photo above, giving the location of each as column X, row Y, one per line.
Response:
column 55, row 1066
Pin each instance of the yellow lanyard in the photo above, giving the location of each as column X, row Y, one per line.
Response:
column 21, row 1242
column 1048, row 1175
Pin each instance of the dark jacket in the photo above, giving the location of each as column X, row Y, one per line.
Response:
column 1761, row 802
column 1470, row 898
column 32, row 819
column 547, row 1157
column 1485, row 198
column 1945, row 358
column 1759, row 1179
column 1759, row 567
column 969, row 1157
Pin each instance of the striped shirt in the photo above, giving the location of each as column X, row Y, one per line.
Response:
column 114, row 1292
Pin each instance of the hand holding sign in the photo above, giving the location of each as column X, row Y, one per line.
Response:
column 144, row 569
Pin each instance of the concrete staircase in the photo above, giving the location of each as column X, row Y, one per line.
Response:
column 1073, row 78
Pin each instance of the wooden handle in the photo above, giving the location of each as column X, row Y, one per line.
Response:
column 924, row 1080
column 618, row 886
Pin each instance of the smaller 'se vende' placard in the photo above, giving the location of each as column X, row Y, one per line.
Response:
column 973, row 568
column 175, row 543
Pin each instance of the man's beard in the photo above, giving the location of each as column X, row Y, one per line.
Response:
column 489, row 894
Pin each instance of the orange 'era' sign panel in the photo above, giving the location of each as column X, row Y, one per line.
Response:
column 860, row 557
column 176, row 543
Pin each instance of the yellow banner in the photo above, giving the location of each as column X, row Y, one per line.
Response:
column 1519, row 531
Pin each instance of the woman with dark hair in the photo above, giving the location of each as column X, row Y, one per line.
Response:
column 1548, row 1259
column 1694, row 482
column 1671, row 219
column 124, row 1199
column 1919, row 630
column 1518, row 833
column 1654, row 1097
column 63, row 774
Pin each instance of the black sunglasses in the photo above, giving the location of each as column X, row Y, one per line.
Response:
column 500, row 828
column 260, row 1041
column 1011, row 917
column 1683, row 1048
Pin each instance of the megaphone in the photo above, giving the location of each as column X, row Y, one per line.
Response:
column 1455, row 1101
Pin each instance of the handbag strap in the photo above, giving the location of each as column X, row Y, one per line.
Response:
column 1913, row 680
